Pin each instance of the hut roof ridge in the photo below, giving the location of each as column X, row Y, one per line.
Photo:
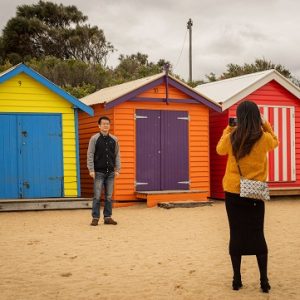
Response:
column 229, row 91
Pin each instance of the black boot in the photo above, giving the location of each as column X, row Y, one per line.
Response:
column 236, row 265
column 262, row 261
column 236, row 283
column 265, row 286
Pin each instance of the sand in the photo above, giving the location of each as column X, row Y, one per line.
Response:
column 153, row 253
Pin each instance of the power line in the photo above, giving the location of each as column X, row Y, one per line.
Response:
column 181, row 49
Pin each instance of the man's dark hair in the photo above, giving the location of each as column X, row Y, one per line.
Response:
column 103, row 118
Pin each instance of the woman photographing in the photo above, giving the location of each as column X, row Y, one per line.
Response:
column 246, row 146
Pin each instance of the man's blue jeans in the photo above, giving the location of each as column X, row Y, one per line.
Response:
column 101, row 180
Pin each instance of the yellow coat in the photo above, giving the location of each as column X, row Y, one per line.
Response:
column 253, row 166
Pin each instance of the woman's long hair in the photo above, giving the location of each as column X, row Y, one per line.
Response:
column 248, row 130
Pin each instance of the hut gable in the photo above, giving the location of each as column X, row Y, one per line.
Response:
column 159, row 86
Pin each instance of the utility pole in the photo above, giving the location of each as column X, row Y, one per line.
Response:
column 189, row 27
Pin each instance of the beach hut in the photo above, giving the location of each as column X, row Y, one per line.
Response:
column 278, row 100
column 38, row 137
column 163, row 130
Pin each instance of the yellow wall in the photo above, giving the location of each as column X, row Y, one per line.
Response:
column 22, row 94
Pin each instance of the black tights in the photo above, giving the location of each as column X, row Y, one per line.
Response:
column 236, row 265
column 262, row 261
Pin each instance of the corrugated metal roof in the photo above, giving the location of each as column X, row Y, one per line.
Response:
column 229, row 91
column 111, row 93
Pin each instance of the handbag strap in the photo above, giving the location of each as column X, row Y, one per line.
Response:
column 238, row 167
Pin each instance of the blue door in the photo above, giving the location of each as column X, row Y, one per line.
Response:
column 9, row 177
column 41, row 152
column 34, row 165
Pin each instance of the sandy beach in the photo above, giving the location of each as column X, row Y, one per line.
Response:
column 153, row 253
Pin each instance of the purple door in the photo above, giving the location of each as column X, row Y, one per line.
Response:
column 174, row 150
column 162, row 150
column 148, row 150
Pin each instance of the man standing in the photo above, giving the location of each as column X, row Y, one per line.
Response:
column 103, row 162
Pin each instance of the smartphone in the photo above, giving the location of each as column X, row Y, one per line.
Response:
column 232, row 122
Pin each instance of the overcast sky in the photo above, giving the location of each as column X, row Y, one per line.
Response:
column 223, row 32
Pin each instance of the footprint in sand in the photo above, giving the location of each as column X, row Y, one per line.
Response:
column 178, row 287
column 68, row 274
column 33, row 242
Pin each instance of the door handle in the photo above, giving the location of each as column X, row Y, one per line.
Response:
column 26, row 184
column 24, row 133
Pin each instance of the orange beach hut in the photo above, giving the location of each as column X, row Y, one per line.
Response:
column 163, row 129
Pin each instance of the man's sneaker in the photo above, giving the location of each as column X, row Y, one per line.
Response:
column 94, row 222
column 110, row 221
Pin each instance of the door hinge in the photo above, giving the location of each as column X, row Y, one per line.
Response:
column 139, row 117
column 141, row 183
column 184, row 118
column 184, row 182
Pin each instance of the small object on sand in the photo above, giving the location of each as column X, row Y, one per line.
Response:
column 185, row 204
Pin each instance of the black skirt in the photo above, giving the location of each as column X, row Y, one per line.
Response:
column 246, row 223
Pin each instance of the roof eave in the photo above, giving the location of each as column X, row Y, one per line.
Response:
column 172, row 81
column 276, row 76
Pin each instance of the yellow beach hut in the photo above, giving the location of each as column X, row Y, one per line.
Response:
column 39, row 155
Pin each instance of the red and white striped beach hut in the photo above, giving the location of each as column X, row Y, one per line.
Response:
column 278, row 100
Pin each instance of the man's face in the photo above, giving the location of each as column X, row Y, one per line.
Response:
column 104, row 126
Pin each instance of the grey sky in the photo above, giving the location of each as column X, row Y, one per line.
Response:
column 232, row 31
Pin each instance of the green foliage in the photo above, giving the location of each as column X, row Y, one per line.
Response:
column 234, row 70
column 80, row 78
column 80, row 91
column 136, row 66
column 48, row 29
column 7, row 65
column 70, row 72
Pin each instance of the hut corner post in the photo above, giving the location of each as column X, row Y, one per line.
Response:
column 166, row 68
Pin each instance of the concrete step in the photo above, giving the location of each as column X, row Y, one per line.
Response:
column 44, row 204
column 155, row 197
column 184, row 204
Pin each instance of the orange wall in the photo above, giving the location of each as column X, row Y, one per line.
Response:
column 123, row 126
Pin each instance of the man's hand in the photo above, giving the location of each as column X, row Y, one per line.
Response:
column 117, row 173
column 92, row 174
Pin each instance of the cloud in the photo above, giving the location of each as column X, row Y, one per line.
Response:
column 224, row 32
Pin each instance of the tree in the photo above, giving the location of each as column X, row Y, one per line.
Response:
column 46, row 28
column 234, row 70
column 72, row 74
column 136, row 66
column 1, row 51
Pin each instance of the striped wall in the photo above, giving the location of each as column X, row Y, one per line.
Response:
column 22, row 94
column 282, row 160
